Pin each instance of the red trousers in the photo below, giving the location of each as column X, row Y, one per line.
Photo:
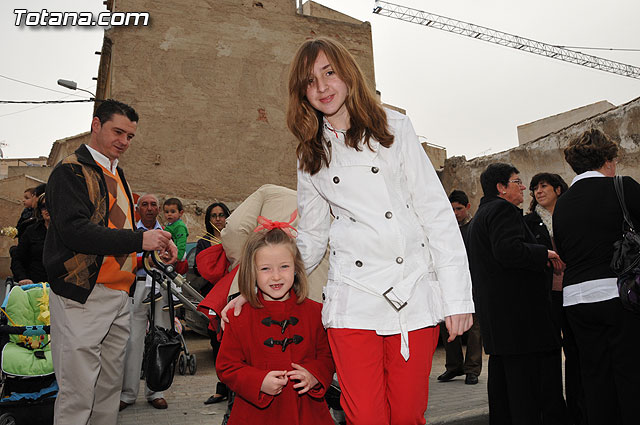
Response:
column 378, row 386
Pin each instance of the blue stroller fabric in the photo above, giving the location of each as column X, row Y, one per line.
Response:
column 50, row 391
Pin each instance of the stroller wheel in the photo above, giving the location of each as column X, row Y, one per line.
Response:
column 182, row 364
column 7, row 419
column 191, row 363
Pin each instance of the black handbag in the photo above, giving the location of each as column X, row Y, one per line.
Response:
column 626, row 256
column 161, row 348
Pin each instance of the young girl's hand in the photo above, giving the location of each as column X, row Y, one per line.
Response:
column 307, row 380
column 274, row 382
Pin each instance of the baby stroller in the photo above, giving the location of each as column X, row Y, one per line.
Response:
column 29, row 385
column 189, row 298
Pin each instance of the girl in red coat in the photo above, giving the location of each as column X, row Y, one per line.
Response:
column 276, row 355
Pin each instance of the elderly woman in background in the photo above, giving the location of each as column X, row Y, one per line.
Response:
column 26, row 264
column 587, row 221
column 512, row 299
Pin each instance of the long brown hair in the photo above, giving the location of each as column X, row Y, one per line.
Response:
column 247, row 272
column 366, row 116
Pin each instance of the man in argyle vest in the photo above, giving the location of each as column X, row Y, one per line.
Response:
column 90, row 259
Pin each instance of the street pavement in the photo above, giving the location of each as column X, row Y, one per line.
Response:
column 452, row 403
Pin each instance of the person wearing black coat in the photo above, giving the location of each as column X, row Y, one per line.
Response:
column 587, row 221
column 512, row 300
column 26, row 261
column 546, row 189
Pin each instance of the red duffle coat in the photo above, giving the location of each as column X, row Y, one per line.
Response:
column 244, row 360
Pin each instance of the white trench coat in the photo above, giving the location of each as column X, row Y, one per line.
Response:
column 393, row 240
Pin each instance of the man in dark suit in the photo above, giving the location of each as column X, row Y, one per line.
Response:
column 457, row 364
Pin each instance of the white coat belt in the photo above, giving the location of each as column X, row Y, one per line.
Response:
column 398, row 297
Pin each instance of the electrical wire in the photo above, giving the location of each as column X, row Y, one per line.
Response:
column 12, row 102
column 40, row 87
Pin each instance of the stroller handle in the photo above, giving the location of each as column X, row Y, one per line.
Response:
column 34, row 330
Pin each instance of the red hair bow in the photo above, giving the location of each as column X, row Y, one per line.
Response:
column 266, row 224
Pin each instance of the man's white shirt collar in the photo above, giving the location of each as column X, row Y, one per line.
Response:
column 103, row 160
column 139, row 225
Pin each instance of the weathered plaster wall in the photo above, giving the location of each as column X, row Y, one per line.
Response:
column 40, row 173
column 211, row 90
column 548, row 125
column 622, row 124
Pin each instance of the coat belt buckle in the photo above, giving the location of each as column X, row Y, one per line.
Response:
column 392, row 303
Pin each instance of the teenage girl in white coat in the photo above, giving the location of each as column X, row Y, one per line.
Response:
column 398, row 265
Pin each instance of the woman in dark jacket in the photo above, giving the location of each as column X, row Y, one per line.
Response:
column 545, row 189
column 212, row 265
column 26, row 264
column 512, row 299
column 587, row 221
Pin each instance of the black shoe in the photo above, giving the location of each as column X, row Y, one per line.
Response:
column 158, row 297
column 216, row 398
column 449, row 375
column 471, row 379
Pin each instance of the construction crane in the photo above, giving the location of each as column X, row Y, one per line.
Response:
column 432, row 20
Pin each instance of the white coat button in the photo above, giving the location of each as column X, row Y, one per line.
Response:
column 352, row 219
column 388, row 214
column 399, row 260
column 336, row 179
column 375, row 170
column 359, row 263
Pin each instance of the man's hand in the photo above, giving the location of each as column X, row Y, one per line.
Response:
column 170, row 256
column 458, row 324
column 306, row 380
column 236, row 305
column 274, row 382
column 156, row 240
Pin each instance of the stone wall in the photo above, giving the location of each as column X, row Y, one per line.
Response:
column 622, row 124
column 65, row 147
column 536, row 129
column 211, row 90
column 39, row 173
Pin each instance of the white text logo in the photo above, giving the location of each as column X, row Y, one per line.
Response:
column 44, row 18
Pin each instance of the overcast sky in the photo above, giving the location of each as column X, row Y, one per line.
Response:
column 461, row 93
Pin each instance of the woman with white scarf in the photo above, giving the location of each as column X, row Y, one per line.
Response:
column 545, row 189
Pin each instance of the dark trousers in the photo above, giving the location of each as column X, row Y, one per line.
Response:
column 472, row 361
column 608, row 341
column 221, row 388
column 576, row 406
column 526, row 389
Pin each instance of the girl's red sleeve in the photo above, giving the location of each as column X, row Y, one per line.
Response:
column 232, row 367
column 322, row 367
